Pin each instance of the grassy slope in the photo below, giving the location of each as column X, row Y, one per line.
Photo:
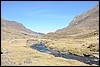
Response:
column 9, row 34
column 87, row 43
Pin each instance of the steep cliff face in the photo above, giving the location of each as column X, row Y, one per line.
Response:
column 12, row 29
column 87, row 21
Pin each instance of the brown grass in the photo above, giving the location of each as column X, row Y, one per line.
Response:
column 20, row 54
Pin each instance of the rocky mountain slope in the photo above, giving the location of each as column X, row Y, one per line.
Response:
column 12, row 29
column 87, row 21
column 81, row 37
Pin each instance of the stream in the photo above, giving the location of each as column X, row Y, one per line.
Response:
column 87, row 60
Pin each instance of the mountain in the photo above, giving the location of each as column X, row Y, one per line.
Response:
column 83, row 25
column 16, row 30
column 80, row 37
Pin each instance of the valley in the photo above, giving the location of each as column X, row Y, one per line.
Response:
column 75, row 45
column 20, row 54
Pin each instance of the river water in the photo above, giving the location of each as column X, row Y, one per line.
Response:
column 87, row 60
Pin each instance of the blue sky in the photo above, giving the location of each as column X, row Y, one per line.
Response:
column 44, row 16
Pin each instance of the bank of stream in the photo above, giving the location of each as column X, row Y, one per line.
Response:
column 87, row 60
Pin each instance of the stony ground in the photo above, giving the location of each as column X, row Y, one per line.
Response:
column 17, row 53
